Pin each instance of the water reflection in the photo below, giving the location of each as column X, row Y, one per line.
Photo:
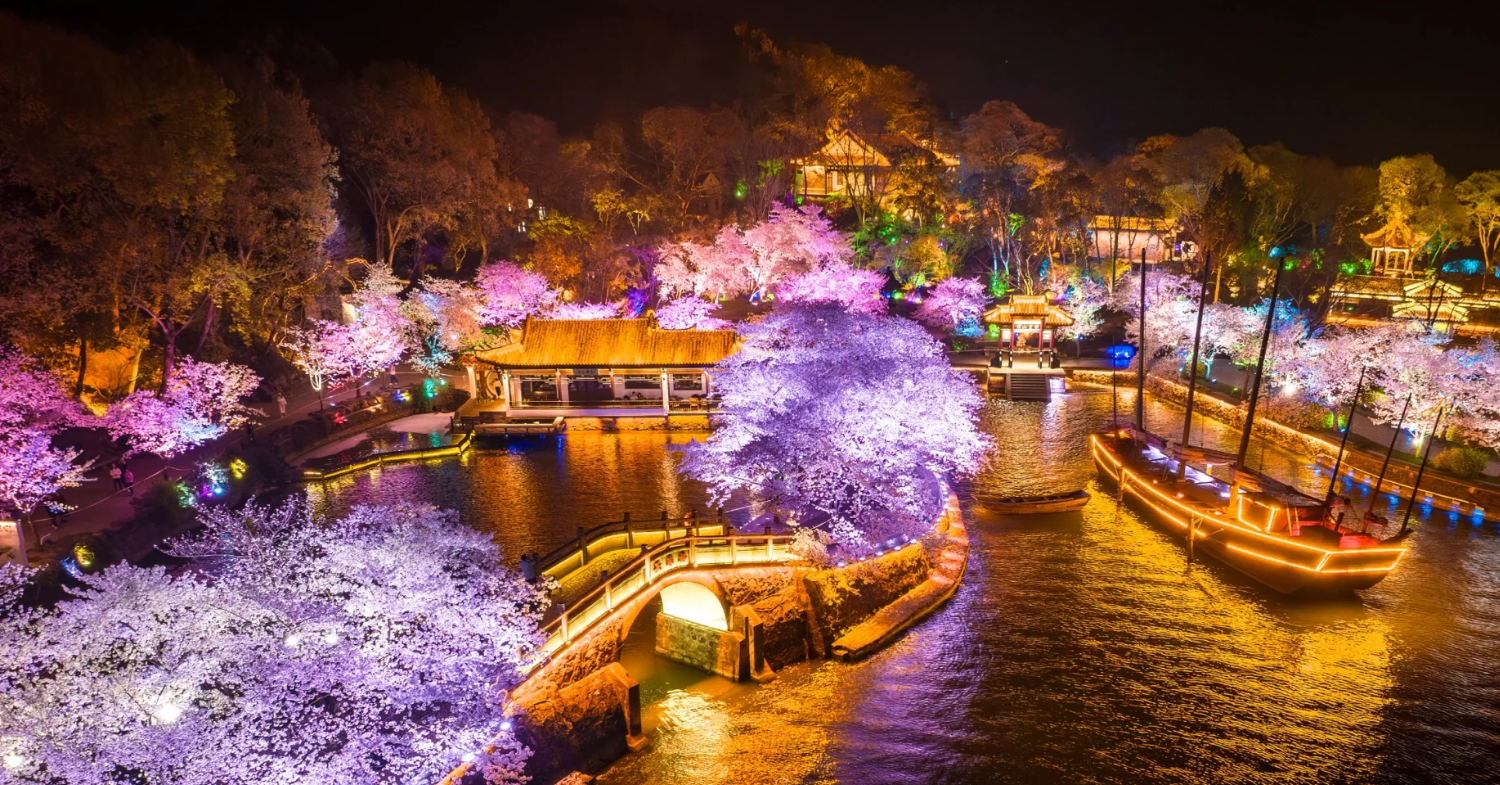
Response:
column 535, row 492
column 1080, row 649
column 1085, row 648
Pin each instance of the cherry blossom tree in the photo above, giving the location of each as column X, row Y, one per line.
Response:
column 509, row 294
column 714, row 271
column 754, row 261
column 34, row 408
column 323, row 350
column 373, row 649
column 585, row 311
column 792, row 241
column 449, row 317
column 1085, row 300
column 855, row 290
column 850, row 415
column 1458, row 379
column 202, row 401
column 689, row 313
column 383, row 333
column 1171, row 313
column 953, row 304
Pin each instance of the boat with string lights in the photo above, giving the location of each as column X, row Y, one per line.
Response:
column 1282, row 538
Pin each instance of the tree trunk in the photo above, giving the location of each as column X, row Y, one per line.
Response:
column 208, row 326
column 168, row 359
column 83, row 365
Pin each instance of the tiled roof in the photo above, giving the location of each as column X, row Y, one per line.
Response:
column 1028, row 306
column 610, row 343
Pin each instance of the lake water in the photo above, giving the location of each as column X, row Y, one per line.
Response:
column 1079, row 649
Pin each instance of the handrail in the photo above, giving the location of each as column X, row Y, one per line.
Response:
column 651, row 566
column 590, row 537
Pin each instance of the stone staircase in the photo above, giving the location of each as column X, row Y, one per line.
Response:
column 1029, row 387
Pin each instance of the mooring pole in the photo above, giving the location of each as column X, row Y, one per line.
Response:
column 1140, row 381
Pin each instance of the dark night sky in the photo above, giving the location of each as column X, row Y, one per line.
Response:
column 1348, row 81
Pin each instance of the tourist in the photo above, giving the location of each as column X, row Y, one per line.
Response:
column 116, row 474
column 281, row 403
column 528, row 568
column 129, row 479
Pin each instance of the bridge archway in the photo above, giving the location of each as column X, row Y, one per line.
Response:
column 690, row 593
column 695, row 603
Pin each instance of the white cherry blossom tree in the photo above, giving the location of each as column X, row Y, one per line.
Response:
column 375, row 649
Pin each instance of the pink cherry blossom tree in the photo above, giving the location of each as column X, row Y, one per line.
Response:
column 383, row 334
column 323, row 350
column 755, row 260
column 373, row 649
column 847, row 415
column 33, row 408
column 585, row 311
column 954, row 304
column 839, row 283
column 689, row 313
column 508, row 294
column 202, row 401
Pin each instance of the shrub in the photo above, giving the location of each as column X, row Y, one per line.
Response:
column 1467, row 462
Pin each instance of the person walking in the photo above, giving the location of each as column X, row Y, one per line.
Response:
column 528, row 568
column 129, row 478
column 281, row 403
column 116, row 474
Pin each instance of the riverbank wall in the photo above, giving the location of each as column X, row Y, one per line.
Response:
column 1441, row 490
column 582, row 710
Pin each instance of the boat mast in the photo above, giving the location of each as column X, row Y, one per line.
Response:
column 1187, row 420
column 1260, row 366
column 1416, row 487
column 1396, row 437
column 1140, row 379
column 1344, row 442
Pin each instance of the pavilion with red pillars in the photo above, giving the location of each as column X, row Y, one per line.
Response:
column 1028, row 325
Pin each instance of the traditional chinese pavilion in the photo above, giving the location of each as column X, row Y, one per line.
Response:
column 1028, row 323
column 629, row 364
column 1393, row 248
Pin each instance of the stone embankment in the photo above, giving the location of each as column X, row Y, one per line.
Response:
column 1449, row 493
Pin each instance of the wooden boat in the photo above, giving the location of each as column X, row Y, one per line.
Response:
column 1280, row 537
column 1033, row 505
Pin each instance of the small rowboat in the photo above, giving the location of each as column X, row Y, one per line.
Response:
column 1033, row 505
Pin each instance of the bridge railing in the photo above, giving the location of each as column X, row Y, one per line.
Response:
column 626, row 534
column 655, row 564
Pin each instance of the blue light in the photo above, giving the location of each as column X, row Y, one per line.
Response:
column 1465, row 266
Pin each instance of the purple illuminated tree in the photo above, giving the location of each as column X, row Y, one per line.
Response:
column 689, row 313
column 510, row 294
column 585, row 311
column 323, row 350
column 850, row 415
column 373, row 649
column 34, row 408
column 954, row 304
column 838, row 283
column 202, row 401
